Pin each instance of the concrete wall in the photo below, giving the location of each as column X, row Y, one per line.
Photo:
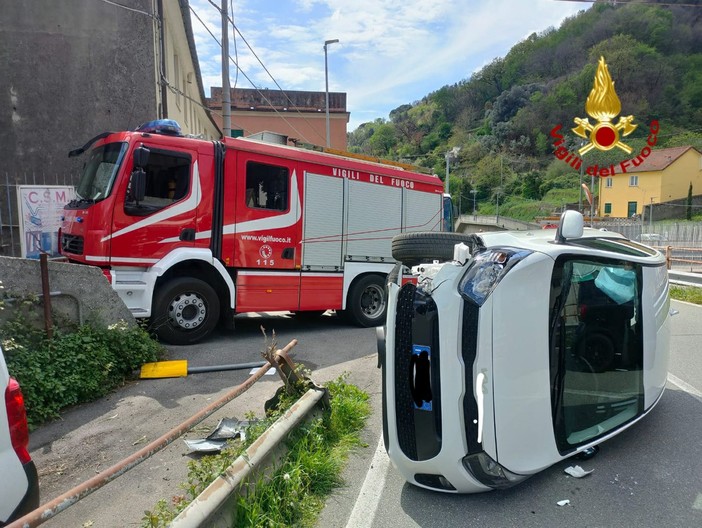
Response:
column 70, row 70
column 84, row 291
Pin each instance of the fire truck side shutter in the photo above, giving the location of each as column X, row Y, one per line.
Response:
column 324, row 207
column 422, row 211
column 374, row 217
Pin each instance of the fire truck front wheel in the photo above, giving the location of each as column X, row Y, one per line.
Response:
column 367, row 301
column 185, row 311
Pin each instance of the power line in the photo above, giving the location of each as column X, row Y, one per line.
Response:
column 130, row 9
column 249, row 79
column 236, row 30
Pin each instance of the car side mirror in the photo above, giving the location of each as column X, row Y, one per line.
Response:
column 137, row 185
column 141, row 157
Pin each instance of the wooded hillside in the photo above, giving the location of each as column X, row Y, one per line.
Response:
column 501, row 116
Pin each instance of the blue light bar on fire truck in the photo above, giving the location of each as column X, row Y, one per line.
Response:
column 168, row 127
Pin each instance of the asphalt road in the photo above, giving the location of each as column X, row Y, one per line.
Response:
column 649, row 476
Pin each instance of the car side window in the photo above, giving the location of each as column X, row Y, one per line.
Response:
column 596, row 348
column 167, row 182
column 267, row 186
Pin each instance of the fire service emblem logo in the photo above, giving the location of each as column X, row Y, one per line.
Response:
column 603, row 105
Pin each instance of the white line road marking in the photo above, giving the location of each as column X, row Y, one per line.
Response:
column 369, row 497
column 684, row 386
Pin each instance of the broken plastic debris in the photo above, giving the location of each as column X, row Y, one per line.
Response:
column 227, row 429
column 577, row 471
column 564, row 502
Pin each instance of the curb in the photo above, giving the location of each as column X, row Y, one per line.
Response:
column 216, row 505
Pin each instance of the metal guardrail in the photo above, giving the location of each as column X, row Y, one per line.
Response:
column 685, row 278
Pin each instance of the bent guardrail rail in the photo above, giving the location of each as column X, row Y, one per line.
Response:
column 216, row 505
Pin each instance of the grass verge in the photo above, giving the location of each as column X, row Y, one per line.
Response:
column 311, row 470
column 691, row 294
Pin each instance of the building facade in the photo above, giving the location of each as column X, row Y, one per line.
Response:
column 299, row 115
column 664, row 176
column 73, row 69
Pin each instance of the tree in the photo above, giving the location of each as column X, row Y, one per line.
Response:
column 689, row 203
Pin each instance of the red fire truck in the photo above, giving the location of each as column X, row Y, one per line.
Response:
column 190, row 232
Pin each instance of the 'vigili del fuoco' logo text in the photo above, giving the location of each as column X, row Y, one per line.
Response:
column 603, row 106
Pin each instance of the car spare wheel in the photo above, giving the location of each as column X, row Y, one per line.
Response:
column 421, row 247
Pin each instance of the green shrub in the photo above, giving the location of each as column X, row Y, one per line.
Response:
column 75, row 366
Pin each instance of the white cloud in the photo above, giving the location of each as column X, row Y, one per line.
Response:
column 390, row 53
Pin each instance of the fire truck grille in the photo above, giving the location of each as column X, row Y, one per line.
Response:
column 72, row 244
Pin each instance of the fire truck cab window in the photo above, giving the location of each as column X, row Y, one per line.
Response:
column 167, row 182
column 266, row 186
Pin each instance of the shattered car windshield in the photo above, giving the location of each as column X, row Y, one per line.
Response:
column 100, row 171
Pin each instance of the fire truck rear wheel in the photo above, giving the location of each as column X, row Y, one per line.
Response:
column 185, row 311
column 421, row 247
column 367, row 302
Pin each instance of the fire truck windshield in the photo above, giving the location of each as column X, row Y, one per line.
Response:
column 100, row 171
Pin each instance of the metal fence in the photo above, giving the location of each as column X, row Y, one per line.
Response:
column 10, row 244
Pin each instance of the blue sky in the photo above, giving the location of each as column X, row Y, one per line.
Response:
column 390, row 52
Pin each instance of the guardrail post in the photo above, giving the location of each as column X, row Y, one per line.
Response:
column 668, row 256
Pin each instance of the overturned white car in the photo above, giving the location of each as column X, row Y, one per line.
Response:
column 516, row 350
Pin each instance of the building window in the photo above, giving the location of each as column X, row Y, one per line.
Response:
column 608, row 208
column 631, row 209
column 608, row 182
column 176, row 79
column 633, row 181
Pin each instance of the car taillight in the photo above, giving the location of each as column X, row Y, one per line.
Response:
column 17, row 418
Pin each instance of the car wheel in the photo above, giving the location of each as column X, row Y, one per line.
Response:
column 367, row 301
column 420, row 247
column 185, row 311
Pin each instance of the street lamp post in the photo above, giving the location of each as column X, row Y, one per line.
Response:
column 474, row 192
column 326, row 81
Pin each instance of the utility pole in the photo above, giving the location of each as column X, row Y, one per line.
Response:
column 326, row 86
column 226, row 90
